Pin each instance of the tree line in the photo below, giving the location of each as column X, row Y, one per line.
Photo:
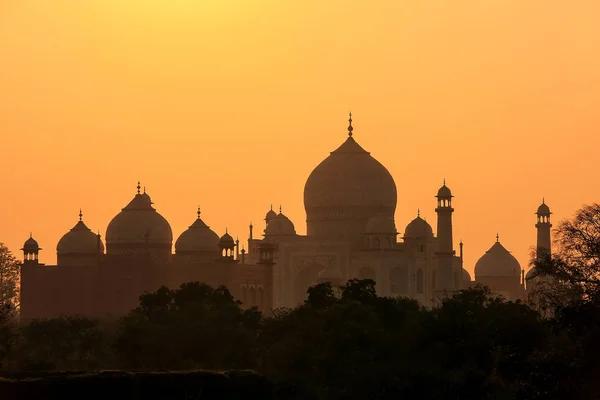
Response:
column 355, row 344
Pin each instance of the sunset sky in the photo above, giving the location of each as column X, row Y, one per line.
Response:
column 230, row 104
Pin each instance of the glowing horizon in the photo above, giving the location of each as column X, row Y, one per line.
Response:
column 231, row 104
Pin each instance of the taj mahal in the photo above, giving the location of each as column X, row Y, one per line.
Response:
column 350, row 201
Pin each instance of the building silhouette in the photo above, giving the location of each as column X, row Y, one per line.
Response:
column 350, row 201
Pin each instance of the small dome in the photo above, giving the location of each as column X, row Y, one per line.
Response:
column 198, row 237
column 497, row 262
column 465, row 275
column 226, row 240
column 31, row 244
column 332, row 275
column 270, row 215
column 444, row 191
column 280, row 225
column 80, row 239
column 543, row 209
column 532, row 273
column 139, row 223
column 382, row 224
column 418, row 228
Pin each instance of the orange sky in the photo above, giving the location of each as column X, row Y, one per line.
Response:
column 232, row 103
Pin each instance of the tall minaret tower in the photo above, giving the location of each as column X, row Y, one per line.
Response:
column 445, row 247
column 543, row 226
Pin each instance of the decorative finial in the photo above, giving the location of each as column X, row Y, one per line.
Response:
column 138, row 187
column 30, row 235
column 543, row 201
column 280, row 209
column 418, row 213
column 350, row 128
column 444, row 181
column 144, row 189
column 198, row 212
column 251, row 224
column 226, row 230
column 237, row 239
column 461, row 242
column 80, row 215
column 271, row 206
column 497, row 237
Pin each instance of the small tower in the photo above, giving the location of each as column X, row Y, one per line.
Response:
column 445, row 247
column 543, row 226
column 31, row 251
column 227, row 246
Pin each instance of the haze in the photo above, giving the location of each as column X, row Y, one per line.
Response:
column 231, row 104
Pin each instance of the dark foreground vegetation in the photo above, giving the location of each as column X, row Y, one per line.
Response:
column 351, row 345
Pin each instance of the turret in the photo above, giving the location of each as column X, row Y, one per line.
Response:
column 445, row 248
column 31, row 251
column 543, row 226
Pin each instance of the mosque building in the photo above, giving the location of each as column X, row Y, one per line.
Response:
column 350, row 201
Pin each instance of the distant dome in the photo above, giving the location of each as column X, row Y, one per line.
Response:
column 345, row 190
column 465, row 275
column 270, row 215
column 418, row 228
column 332, row 275
column 497, row 262
column 31, row 244
column 280, row 225
column 226, row 240
column 198, row 237
column 543, row 209
column 139, row 223
column 381, row 224
column 444, row 191
column 532, row 273
column 80, row 239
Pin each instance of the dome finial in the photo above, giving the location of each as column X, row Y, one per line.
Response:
column 30, row 235
column 497, row 238
column 198, row 212
column 144, row 189
column 418, row 212
column 80, row 215
column 271, row 206
column 280, row 209
column 350, row 128
column 543, row 200
column 226, row 231
column 444, row 181
column 138, row 187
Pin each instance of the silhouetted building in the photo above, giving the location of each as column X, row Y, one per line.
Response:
column 350, row 201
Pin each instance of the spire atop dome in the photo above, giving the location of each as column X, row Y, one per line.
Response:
column 80, row 215
column 138, row 187
column 497, row 238
column 198, row 212
column 419, row 212
column 144, row 189
column 350, row 127
column 280, row 209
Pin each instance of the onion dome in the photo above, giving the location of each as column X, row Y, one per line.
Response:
column 381, row 224
column 198, row 237
column 418, row 228
column 465, row 275
column 139, row 223
column 332, row 275
column 31, row 244
column 80, row 239
column 444, row 191
column 280, row 226
column 226, row 241
column 497, row 262
column 348, row 185
column 270, row 214
column 543, row 209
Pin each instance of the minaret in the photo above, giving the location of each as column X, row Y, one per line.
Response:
column 543, row 226
column 445, row 247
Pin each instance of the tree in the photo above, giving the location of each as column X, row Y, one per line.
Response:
column 10, row 273
column 575, row 265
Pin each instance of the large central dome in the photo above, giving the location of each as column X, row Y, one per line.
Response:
column 345, row 190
